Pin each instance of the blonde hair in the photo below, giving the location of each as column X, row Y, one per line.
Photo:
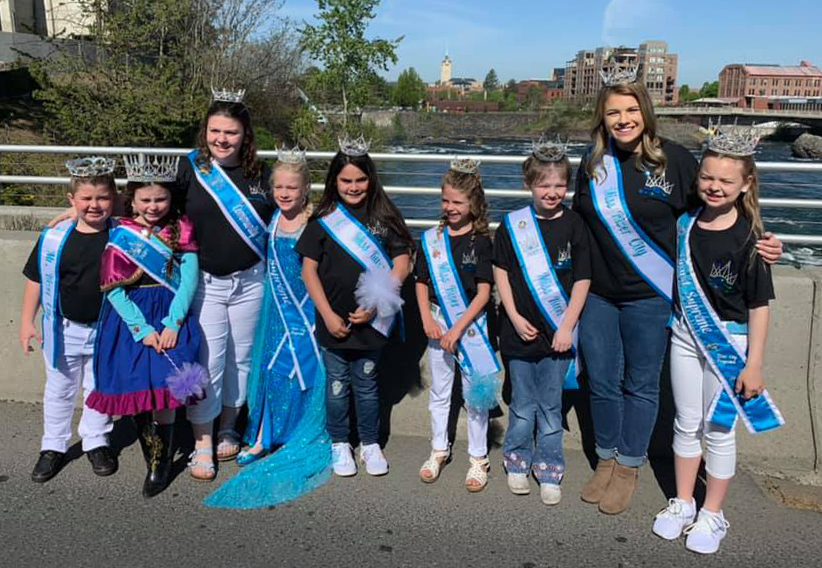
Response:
column 301, row 169
column 649, row 155
column 105, row 179
column 747, row 203
column 471, row 186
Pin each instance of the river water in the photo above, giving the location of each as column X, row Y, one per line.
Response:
column 505, row 176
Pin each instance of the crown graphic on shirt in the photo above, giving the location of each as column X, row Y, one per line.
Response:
column 227, row 95
column 723, row 271
column 617, row 76
column 92, row 166
column 151, row 167
column 469, row 257
column 564, row 253
column 660, row 182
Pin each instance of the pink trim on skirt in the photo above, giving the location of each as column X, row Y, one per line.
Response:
column 132, row 403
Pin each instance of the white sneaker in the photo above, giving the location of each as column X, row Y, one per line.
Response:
column 374, row 460
column 342, row 458
column 550, row 493
column 670, row 521
column 518, row 483
column 707, row 532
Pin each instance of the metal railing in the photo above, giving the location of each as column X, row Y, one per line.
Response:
column 790, row 203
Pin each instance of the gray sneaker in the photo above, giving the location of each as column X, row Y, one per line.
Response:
column 342, row 458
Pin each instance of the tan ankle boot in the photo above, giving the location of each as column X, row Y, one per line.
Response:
column 620, row 490
column 593, row 491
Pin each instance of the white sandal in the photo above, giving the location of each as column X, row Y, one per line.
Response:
column 203, row 465
column 227, row 438
column 433, row 465
column 477, row 472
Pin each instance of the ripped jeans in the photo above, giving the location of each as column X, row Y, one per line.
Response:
column 347, row 369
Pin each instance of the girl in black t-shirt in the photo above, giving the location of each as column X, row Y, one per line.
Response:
column 346, row 329
column 720, row 247
column 464, row 224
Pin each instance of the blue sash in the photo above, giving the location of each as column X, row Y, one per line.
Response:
column 649, row 261
column 297, row 353
column 477, row 357
column 714, row 339
column 541, row 278
column 235, row 207
column 48, row 262
column 148, row 252
column 363, row 247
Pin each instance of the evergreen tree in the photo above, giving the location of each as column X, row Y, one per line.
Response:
column 491, row 82
column 410, row 89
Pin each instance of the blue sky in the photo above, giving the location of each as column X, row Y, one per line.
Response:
column 524, row 39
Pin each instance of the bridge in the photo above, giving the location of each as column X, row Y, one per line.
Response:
column 743, row 115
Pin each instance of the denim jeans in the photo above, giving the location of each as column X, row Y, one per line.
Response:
column 347, row 368
column 536, row 399
column 623, row 347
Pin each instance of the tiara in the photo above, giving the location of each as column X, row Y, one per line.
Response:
column 91, row 167
column 293, row 156
column 355, row 147
column 618, row 76
column 151, row 168
column 227, row 96
column 464, row 165
column 737, row 142
column 548, row 151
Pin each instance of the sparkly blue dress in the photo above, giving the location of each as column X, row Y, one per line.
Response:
column 286, row 414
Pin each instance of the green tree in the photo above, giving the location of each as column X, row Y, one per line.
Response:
column 510, row 87
column 338, row 42
column 410, row 89
column 686, row 94
column 491, row 82
column 709, row 89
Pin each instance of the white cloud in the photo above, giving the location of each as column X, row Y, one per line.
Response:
column 631, row 21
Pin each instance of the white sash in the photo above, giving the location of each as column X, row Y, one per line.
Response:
column 608, row 195
column 541, row 278
column 48, row 259
column 477, row 355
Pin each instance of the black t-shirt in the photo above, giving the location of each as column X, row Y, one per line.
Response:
column 222, row 250
column 722, row 263
column 80, row 296
column 472, row 254
column 568, row 245
column 654, row 211
column 339, row 272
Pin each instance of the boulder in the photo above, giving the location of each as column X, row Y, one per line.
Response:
column 808, row 146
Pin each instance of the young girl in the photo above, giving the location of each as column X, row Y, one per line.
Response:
column 286, row 388
column 541, row 257
column 454, row 276
column 149, row 274
column 722, row 290
column 355, row 256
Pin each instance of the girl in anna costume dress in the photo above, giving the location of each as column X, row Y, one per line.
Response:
column 149, row 274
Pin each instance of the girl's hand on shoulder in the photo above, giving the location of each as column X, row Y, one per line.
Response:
column 69, row 213
column 28, row 331
column 432, row 329
column 153, row 340
column 168, row 339
column 450, row 339
column 361, row 315
column 769, row 248
column 524, row 329
column 337, row 327
column 563, row 339
column 750, row 382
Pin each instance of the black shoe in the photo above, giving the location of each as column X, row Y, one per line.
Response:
column 158, row 440
column 103, row 463
column 48, row 465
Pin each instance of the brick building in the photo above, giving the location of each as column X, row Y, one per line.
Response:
column 770, row 86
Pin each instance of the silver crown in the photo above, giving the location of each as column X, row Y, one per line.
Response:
column 356, row 147
column 739, row 142
column 151, row 168
column 464, row 165
column 224, row 95
column 293, row 156
column 92, row 166
column 660, row 182
column 617, row 76
column 548, row 151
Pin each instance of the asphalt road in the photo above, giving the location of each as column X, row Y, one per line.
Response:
column 78, row 519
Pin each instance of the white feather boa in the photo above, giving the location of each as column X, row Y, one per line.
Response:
column 379, row 290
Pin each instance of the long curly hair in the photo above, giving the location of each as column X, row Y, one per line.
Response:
column 379, row 206
column 469, row 185
column 172, row 218
column 649, row 154
column 248, row 150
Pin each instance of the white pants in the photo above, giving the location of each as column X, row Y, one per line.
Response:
column 442, row 365
column 227, row 308
column 74, row 368
column 694, row 387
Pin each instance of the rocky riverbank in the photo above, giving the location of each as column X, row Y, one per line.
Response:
column 808, row 147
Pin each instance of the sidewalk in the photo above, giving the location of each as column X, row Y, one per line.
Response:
column 78, row 519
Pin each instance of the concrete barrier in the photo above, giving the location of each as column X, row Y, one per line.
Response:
column 793, row 370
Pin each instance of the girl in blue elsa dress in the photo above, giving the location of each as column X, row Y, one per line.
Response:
column 289, row 451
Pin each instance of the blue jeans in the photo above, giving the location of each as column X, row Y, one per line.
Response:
column 623, row 347
column 346, row 368
column 536, row 399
